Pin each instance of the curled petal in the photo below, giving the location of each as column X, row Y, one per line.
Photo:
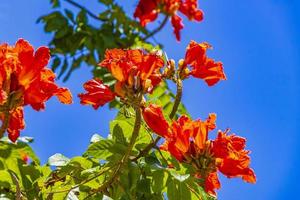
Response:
column 155, row 119
column 146, row 11
column 202, row 66
column 212, row 183
column 177, row 26
column 97, row 94
column 16, row 123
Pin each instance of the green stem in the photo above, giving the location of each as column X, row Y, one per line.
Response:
column 135, row 133
column 171, row 115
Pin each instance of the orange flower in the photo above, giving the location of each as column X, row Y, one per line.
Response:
column 154, row 118
column 177, row 26
column 25, row 80
column 148, row 10
column 187, row 141
column 97, row 94
column 134, row 70
column 235, row 160
column 182, row 135
column 202, row 66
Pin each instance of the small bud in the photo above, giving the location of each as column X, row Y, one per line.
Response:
column 181, row 64
column 184, row 73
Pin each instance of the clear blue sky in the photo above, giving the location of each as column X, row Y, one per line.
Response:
column 259, row 44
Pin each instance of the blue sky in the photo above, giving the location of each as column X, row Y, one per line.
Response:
column 258, row 42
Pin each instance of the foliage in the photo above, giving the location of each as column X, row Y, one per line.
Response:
column 133, row 77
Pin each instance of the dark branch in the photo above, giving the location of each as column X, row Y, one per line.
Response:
column 85, row 9
column 157, row 29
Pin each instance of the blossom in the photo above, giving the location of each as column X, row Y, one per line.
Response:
column 134, row 70
column 147, row 11
column 154, row 118
column 234, row 159
column 97, row 94
column 25, row 80
column 187, row 140
column 203, row 67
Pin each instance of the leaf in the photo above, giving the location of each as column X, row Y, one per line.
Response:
column 96, row 138
column 177, row 190
column 100, row 149
column 6, row 180
column 58, row 160
column 159, row 181
column 180, row 177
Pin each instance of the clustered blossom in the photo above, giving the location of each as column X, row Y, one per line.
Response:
column 135, row 72
column 148, row 10
column 188, row 142
column 25, row 80
column 202, row 67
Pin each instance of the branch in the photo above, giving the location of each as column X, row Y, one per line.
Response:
column 135, row 133
column 172, row 115
column 157, row 29
column 85, row 9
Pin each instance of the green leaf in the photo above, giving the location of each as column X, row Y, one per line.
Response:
column 100, row 149
column 159, row 181
column 177, row 190
column 58, row 160
column 96, row 138
column 180, row 177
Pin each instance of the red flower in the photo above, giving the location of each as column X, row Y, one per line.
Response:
column 154, row 118
column 235, row 160
column 187, row 141
column 134, row 70
column 148, row 10
column 202, row 66
column 97, row 94
column 177, row 25
column 190, row 9
column 182, row 135
column 25, row 80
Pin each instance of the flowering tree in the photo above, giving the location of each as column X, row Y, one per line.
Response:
column 154, row 149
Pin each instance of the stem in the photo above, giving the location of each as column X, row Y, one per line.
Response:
column 171, row 115
column 177, row 99
column 85, row 9
column 157, row 29
column 135, row 133
column 5, row 123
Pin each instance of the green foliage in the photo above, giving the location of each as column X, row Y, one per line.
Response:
column 83, row 37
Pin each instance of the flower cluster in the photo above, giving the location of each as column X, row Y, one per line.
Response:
column 148, row 10
column 136, row 72
column 25, row 80
column 202, row 67
column 188, row 142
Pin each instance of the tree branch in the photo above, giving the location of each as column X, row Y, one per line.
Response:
column 135, row 133
column 84, row 8
column 157, row 29
column 172, row 115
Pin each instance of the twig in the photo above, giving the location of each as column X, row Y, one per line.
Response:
column 135, row 133
column 157, row 29
column 172, row 115
column 85, row 9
